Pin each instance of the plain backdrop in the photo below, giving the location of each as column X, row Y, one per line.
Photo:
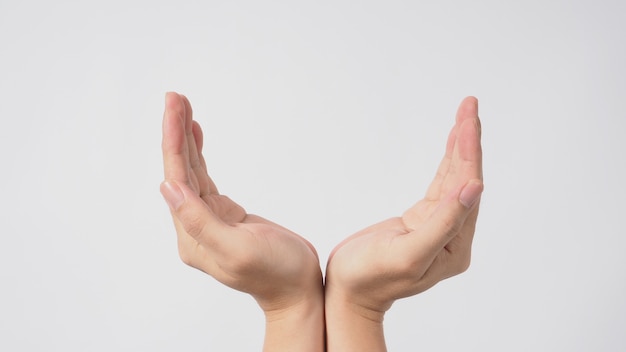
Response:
column 324, row 117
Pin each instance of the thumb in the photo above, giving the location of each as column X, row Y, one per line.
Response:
column 471, row 193
column 448, row 218
column 195, row 216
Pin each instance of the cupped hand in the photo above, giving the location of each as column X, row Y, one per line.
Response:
column 216, row 235
column 431, row 241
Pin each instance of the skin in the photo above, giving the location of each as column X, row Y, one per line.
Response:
column 243, row 251
column 406, row 255
column 397, row 258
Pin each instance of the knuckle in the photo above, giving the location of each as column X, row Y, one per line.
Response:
column 463, row 263
column 193, row 225
column 185, row 255
column 185, row 258
column 451, row 224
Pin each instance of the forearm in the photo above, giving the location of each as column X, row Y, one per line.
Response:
column 351, row 328
column 299, row 328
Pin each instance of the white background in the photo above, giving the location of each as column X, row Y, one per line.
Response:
column 324, row 117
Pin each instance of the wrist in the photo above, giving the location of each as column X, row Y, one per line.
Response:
column 351, row 326
column 299, row 327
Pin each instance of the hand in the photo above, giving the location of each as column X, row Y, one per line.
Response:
column 246, row 252
column 431, row 241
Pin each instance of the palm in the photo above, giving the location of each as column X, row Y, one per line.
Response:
column 241, row 250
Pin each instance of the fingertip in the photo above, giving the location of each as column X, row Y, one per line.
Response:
column 470, row 99
column 170, row 99
column 476, row 104
column 198, row 135
column 469, row 107
column 186, row 103
column 187, row 112
column 177, row 102
column 473, row 102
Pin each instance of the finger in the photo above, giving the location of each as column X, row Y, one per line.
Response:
column 199, row 138
column 443, row 266
column 193, row 254
column 174, row 144
column 466, row 161
column 188, row 122
column 459, row 247
column 444, row 224
column 467, row 153
column 456, row 256
column 197, row 218
column 467, row 109
column 197, row 176
column 196, row 160
column 433, row 192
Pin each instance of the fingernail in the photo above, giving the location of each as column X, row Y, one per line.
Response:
column 173, row 195
column 471, row 193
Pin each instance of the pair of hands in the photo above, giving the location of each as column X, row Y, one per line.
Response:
column 366, row 273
